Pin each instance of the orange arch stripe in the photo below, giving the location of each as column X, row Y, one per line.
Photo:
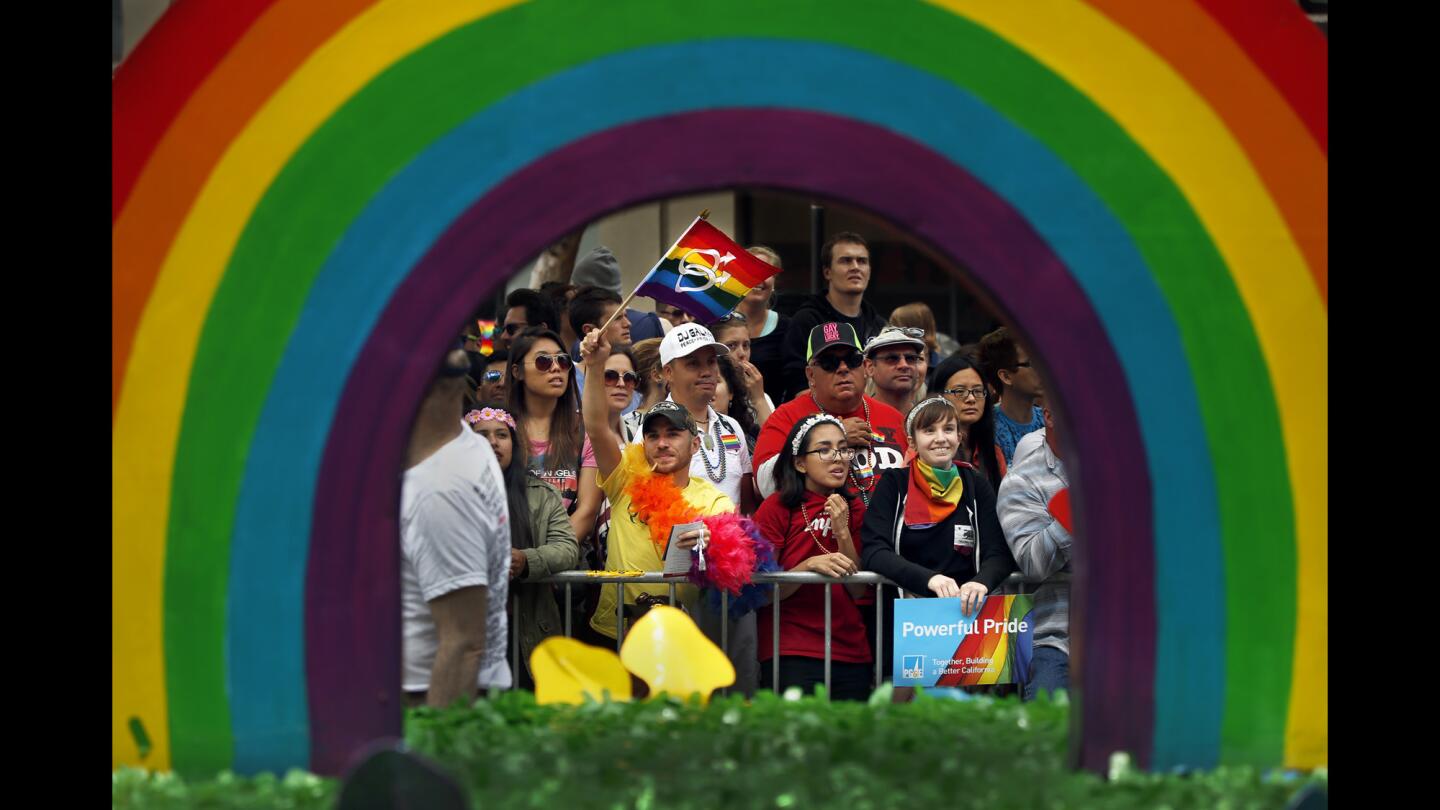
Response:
column 1288, row 160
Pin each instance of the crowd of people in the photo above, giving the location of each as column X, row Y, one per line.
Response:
column 852, row 440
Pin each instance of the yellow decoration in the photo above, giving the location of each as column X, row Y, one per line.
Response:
column 667, row 651
column 568, row 671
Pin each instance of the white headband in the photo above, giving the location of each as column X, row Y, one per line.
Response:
column 807, row 425
column 910, row 418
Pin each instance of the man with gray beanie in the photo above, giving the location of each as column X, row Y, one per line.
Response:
column 599, row 268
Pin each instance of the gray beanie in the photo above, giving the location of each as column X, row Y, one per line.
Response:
column 599, row 269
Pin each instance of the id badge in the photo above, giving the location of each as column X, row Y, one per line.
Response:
column 964, row 537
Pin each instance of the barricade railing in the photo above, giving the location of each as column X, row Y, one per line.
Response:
column 570, row 578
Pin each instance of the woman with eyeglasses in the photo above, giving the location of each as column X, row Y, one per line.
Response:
column 959, row 381
column 814, row 521
column 931, row 526
column 541, row 539
column 543, row 401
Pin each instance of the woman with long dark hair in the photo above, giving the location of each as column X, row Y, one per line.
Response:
column 958, row 380
column 541, row 540
column 736, row 400
column 546, row 408
column 814, row 522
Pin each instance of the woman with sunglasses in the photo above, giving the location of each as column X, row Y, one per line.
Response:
column 958, row 380
column 541, row 540
column 620, row 383
column 543, row 400
column 814, row 521
column 646, row 356
column 931, row 526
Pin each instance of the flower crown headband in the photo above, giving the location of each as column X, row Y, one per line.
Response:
column 490, row 415
column 910, row 419
column 807, row 425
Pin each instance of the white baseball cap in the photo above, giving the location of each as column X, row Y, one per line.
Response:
column 896, row 336
column 686, row 339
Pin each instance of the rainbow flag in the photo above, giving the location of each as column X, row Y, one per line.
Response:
column 730, row 441
column 705, row 273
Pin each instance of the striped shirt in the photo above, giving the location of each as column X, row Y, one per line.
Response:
column 1040, row 544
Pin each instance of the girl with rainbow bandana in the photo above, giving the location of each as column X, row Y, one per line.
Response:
column 931, row 526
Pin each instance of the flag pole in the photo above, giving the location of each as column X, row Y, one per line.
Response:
column 704, row 214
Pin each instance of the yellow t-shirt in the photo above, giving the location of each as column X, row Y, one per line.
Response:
column 630, row 548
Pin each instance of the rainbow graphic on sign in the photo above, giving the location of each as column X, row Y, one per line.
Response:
column 309, row 199
column 936, row 645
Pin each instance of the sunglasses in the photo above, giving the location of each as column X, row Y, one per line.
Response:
column 513, row 329
column 492, row 376
column 543, row 362
column 894, row 358
column 613, row 378
column 830, row 362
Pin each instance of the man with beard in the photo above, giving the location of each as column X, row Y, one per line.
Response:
column 670, row 440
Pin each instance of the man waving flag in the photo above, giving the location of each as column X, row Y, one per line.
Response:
column 705, row 273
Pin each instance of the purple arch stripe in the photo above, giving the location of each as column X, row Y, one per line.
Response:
column 352, row 627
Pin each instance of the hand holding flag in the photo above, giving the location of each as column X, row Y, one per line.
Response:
column 705, row 273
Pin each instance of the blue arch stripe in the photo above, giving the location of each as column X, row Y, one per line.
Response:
column 396, row 228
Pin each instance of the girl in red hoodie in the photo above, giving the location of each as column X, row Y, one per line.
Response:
column 814, row 522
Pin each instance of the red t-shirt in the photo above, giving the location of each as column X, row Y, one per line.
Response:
column 887, row 449
column 802, row 616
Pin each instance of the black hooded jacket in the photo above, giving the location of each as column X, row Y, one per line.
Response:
column 812, row 313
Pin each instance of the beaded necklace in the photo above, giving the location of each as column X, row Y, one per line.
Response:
column 864, row 493
column 813, row 536
column 705, row 457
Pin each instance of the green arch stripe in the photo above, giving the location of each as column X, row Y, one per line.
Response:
column 446, row 82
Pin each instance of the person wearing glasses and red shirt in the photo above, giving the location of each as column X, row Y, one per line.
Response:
column 834, row 369
column 546, row 407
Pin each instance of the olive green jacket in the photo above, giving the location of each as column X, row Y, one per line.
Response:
column 556, row 551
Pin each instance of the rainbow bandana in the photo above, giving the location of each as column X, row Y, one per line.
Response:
column 933, row 495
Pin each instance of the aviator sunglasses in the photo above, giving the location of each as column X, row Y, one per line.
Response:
column 543, row 362
column 613, row 378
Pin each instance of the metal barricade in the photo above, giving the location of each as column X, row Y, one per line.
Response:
column 569, row 578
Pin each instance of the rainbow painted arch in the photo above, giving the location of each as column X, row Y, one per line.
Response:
column 308, row 197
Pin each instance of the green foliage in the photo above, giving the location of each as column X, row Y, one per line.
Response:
column 136, row 788
column 776, row 752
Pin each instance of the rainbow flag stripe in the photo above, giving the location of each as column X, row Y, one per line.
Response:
column 705, row 273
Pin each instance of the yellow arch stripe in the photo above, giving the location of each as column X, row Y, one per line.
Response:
column 1172, row 123
column 147, row 422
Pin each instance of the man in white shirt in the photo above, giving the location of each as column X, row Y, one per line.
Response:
column 687, row 361
column 455, row 552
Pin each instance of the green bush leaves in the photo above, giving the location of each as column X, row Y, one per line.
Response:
column 510, row 752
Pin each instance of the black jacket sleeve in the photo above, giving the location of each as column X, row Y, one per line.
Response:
column 877, row 541
column 996, row 561
column 792, row 351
